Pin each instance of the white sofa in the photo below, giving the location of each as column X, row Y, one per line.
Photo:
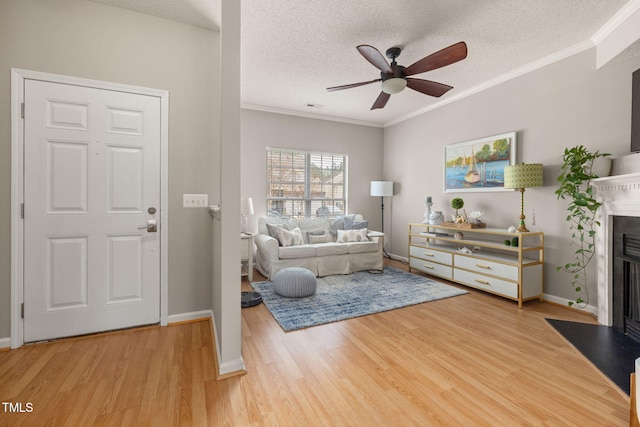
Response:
column 321, row 258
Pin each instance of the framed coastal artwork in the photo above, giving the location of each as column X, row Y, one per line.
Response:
column 478, row 165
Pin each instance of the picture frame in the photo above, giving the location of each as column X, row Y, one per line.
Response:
column 478, row 165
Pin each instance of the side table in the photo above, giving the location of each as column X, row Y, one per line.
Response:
column 246, row 255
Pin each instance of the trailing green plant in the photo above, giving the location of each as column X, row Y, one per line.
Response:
column 575, row 178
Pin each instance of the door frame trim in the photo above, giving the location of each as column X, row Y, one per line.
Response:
column 18, row 77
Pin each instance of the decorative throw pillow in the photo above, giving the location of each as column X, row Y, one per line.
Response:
column 359, row 235
column 290, row 238
column 324, row 238
column 350, row 224
column 307, row 235
column 338, row 224
column 273, row 231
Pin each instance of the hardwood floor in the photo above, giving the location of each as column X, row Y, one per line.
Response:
column 471, row 360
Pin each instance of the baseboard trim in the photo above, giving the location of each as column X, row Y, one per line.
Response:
column 190, row 316
column 227, row 369
column 5, row 344
column 564, row 303
column 399, row 258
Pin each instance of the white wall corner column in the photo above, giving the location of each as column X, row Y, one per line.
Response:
column 226, row 250
column 620, row 196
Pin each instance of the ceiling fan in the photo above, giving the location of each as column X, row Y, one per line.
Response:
column 395, row 77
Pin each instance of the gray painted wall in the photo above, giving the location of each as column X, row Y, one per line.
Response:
column 561, row 105
column 90, row 40
column 363, row 145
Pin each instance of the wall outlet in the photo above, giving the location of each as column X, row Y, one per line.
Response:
column 195, row 200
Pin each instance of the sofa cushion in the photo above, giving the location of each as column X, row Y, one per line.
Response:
column 307, row 234
column 301, row 251
column 327, row 249
column 346, row 236
column 323, row 237
column 272, row 230
column 338, row 222
column 312, row 224
column 290, row 238
column 362, row 247
column 286, row 223
column 350, row 224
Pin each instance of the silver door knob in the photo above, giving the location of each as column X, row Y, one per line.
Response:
column 151, row 227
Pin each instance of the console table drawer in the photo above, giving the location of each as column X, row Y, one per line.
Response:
column 431, row 255
column 439, row 270
column 491, row 284
column 487, row 267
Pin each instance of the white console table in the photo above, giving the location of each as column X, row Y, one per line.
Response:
column 514, row 272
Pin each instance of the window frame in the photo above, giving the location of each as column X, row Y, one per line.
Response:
column 309, row 191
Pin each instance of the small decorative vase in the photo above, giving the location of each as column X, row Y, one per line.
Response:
column 601, row 166
column 435, row 218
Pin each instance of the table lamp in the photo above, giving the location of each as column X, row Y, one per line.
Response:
column 246, row 209
column 524, row 175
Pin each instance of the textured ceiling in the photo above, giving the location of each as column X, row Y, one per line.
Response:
column 292, row 50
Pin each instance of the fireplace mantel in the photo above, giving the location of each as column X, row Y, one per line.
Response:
column 620, row 196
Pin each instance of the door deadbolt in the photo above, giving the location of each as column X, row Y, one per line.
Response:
column 151, row 210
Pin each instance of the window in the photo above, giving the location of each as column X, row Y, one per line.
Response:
column 302, row 184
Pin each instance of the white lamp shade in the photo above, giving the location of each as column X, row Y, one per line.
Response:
column 524, row 175
column 247, row 206
column 250, row 206
column 382, row 188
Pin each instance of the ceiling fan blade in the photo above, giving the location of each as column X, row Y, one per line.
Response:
column 381, row 101
column 448, row 55
column 428, row 87
column 349, row 86
column 374, row 56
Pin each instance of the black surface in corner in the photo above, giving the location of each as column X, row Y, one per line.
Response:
column 609, row 350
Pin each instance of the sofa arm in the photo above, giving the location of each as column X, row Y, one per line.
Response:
column 376, row 236
column 266, row 247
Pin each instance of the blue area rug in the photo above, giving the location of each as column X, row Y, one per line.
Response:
column 358, row 294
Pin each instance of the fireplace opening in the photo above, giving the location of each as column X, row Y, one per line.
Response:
column 626, row 275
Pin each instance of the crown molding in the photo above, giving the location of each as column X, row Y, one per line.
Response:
column 618, row 19
column 309, row 115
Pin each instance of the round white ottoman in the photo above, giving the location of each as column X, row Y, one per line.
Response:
column 294, row 282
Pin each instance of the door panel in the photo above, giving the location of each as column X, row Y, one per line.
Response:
column 66, row 272
column 124, row 179
column 124, row 276
column 66, row 167
column 92, row 171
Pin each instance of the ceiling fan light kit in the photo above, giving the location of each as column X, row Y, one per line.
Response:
column 394, row 85
column 395, row 78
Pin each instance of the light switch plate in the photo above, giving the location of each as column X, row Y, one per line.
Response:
column 195, row 200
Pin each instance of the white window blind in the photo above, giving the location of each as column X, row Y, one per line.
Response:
column 302, row 184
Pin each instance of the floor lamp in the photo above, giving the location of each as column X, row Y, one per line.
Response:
column 382, row 189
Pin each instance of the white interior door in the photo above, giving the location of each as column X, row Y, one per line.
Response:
column 91, row 185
